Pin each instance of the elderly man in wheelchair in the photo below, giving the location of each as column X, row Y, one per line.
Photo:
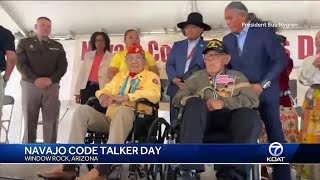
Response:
column 119, row 96
column 217, row 101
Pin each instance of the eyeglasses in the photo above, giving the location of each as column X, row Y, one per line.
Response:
column 212, row 57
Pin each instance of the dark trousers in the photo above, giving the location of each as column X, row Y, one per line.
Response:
column 88, row 92
column 172, row 112
column 243, row 125
column 270, row 115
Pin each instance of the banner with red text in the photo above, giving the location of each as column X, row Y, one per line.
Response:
column 300, row 44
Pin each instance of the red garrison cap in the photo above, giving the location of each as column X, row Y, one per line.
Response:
column 134, row 49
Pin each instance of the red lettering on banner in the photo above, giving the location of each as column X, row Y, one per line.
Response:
column 164, row 51
column 153, row 45
column 305, row 41
column 85, row 48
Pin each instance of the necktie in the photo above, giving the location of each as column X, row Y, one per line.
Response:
column 191, row 54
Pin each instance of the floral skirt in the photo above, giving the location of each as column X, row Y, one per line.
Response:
column 310, row 130
column 289, row 121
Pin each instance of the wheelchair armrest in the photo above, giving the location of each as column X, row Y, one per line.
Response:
column 146, row 102
column 92, row 101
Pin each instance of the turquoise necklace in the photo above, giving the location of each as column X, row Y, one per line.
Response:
column 133, row 85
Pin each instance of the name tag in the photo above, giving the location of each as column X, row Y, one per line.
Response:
column 54, row 49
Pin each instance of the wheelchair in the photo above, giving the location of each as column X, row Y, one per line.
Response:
column 172, row 171
column 147, row 128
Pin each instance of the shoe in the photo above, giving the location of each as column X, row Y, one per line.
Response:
column 58, row 174
column 63, row 175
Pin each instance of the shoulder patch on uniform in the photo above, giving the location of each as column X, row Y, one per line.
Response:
column 155, row 81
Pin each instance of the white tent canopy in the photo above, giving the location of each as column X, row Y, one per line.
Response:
column 84, row 17
column 78, row 19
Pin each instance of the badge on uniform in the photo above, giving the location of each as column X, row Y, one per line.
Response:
column 224, row 85
column 31, row 46
column 155, row 81
column 54, row 49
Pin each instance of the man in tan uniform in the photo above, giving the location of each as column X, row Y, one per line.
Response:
column 42, row 63
column 119, row 96
column 218, row 100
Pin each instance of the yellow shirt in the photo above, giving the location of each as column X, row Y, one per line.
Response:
column 119, row 61
column 149, row 88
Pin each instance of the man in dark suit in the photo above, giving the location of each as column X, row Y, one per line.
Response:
column 256, row 52
column 186, row 55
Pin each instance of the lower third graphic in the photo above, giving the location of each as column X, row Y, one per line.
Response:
column 275, row 150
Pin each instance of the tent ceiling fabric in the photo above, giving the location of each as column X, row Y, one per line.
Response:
column 6, row 21
column 85, row 17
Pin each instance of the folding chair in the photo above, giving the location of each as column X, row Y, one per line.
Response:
column 7, row 101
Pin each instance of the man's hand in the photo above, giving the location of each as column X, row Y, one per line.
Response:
column 111, row 100
column 103, row 99
column 77, row 99
column 214, row 104
column 115, row 99
column 6, row 78
column 178, row 82
column 257, row 88
column 316, row 62
column 121, row 99
column 40, row 83
column 43, row 82
column 48, row 82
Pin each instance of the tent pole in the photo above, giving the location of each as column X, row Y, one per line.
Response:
column 194, row 7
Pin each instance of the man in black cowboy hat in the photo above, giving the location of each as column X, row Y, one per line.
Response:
column 186, row 55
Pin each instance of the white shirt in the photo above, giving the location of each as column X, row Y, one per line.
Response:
column 191, row 45
column 309, row 74
column 241, row 37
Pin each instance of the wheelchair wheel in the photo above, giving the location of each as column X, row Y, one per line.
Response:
column 157, row 133
column 94, row 138
column 154, row 171
column 136, row 172
column 170, row 172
